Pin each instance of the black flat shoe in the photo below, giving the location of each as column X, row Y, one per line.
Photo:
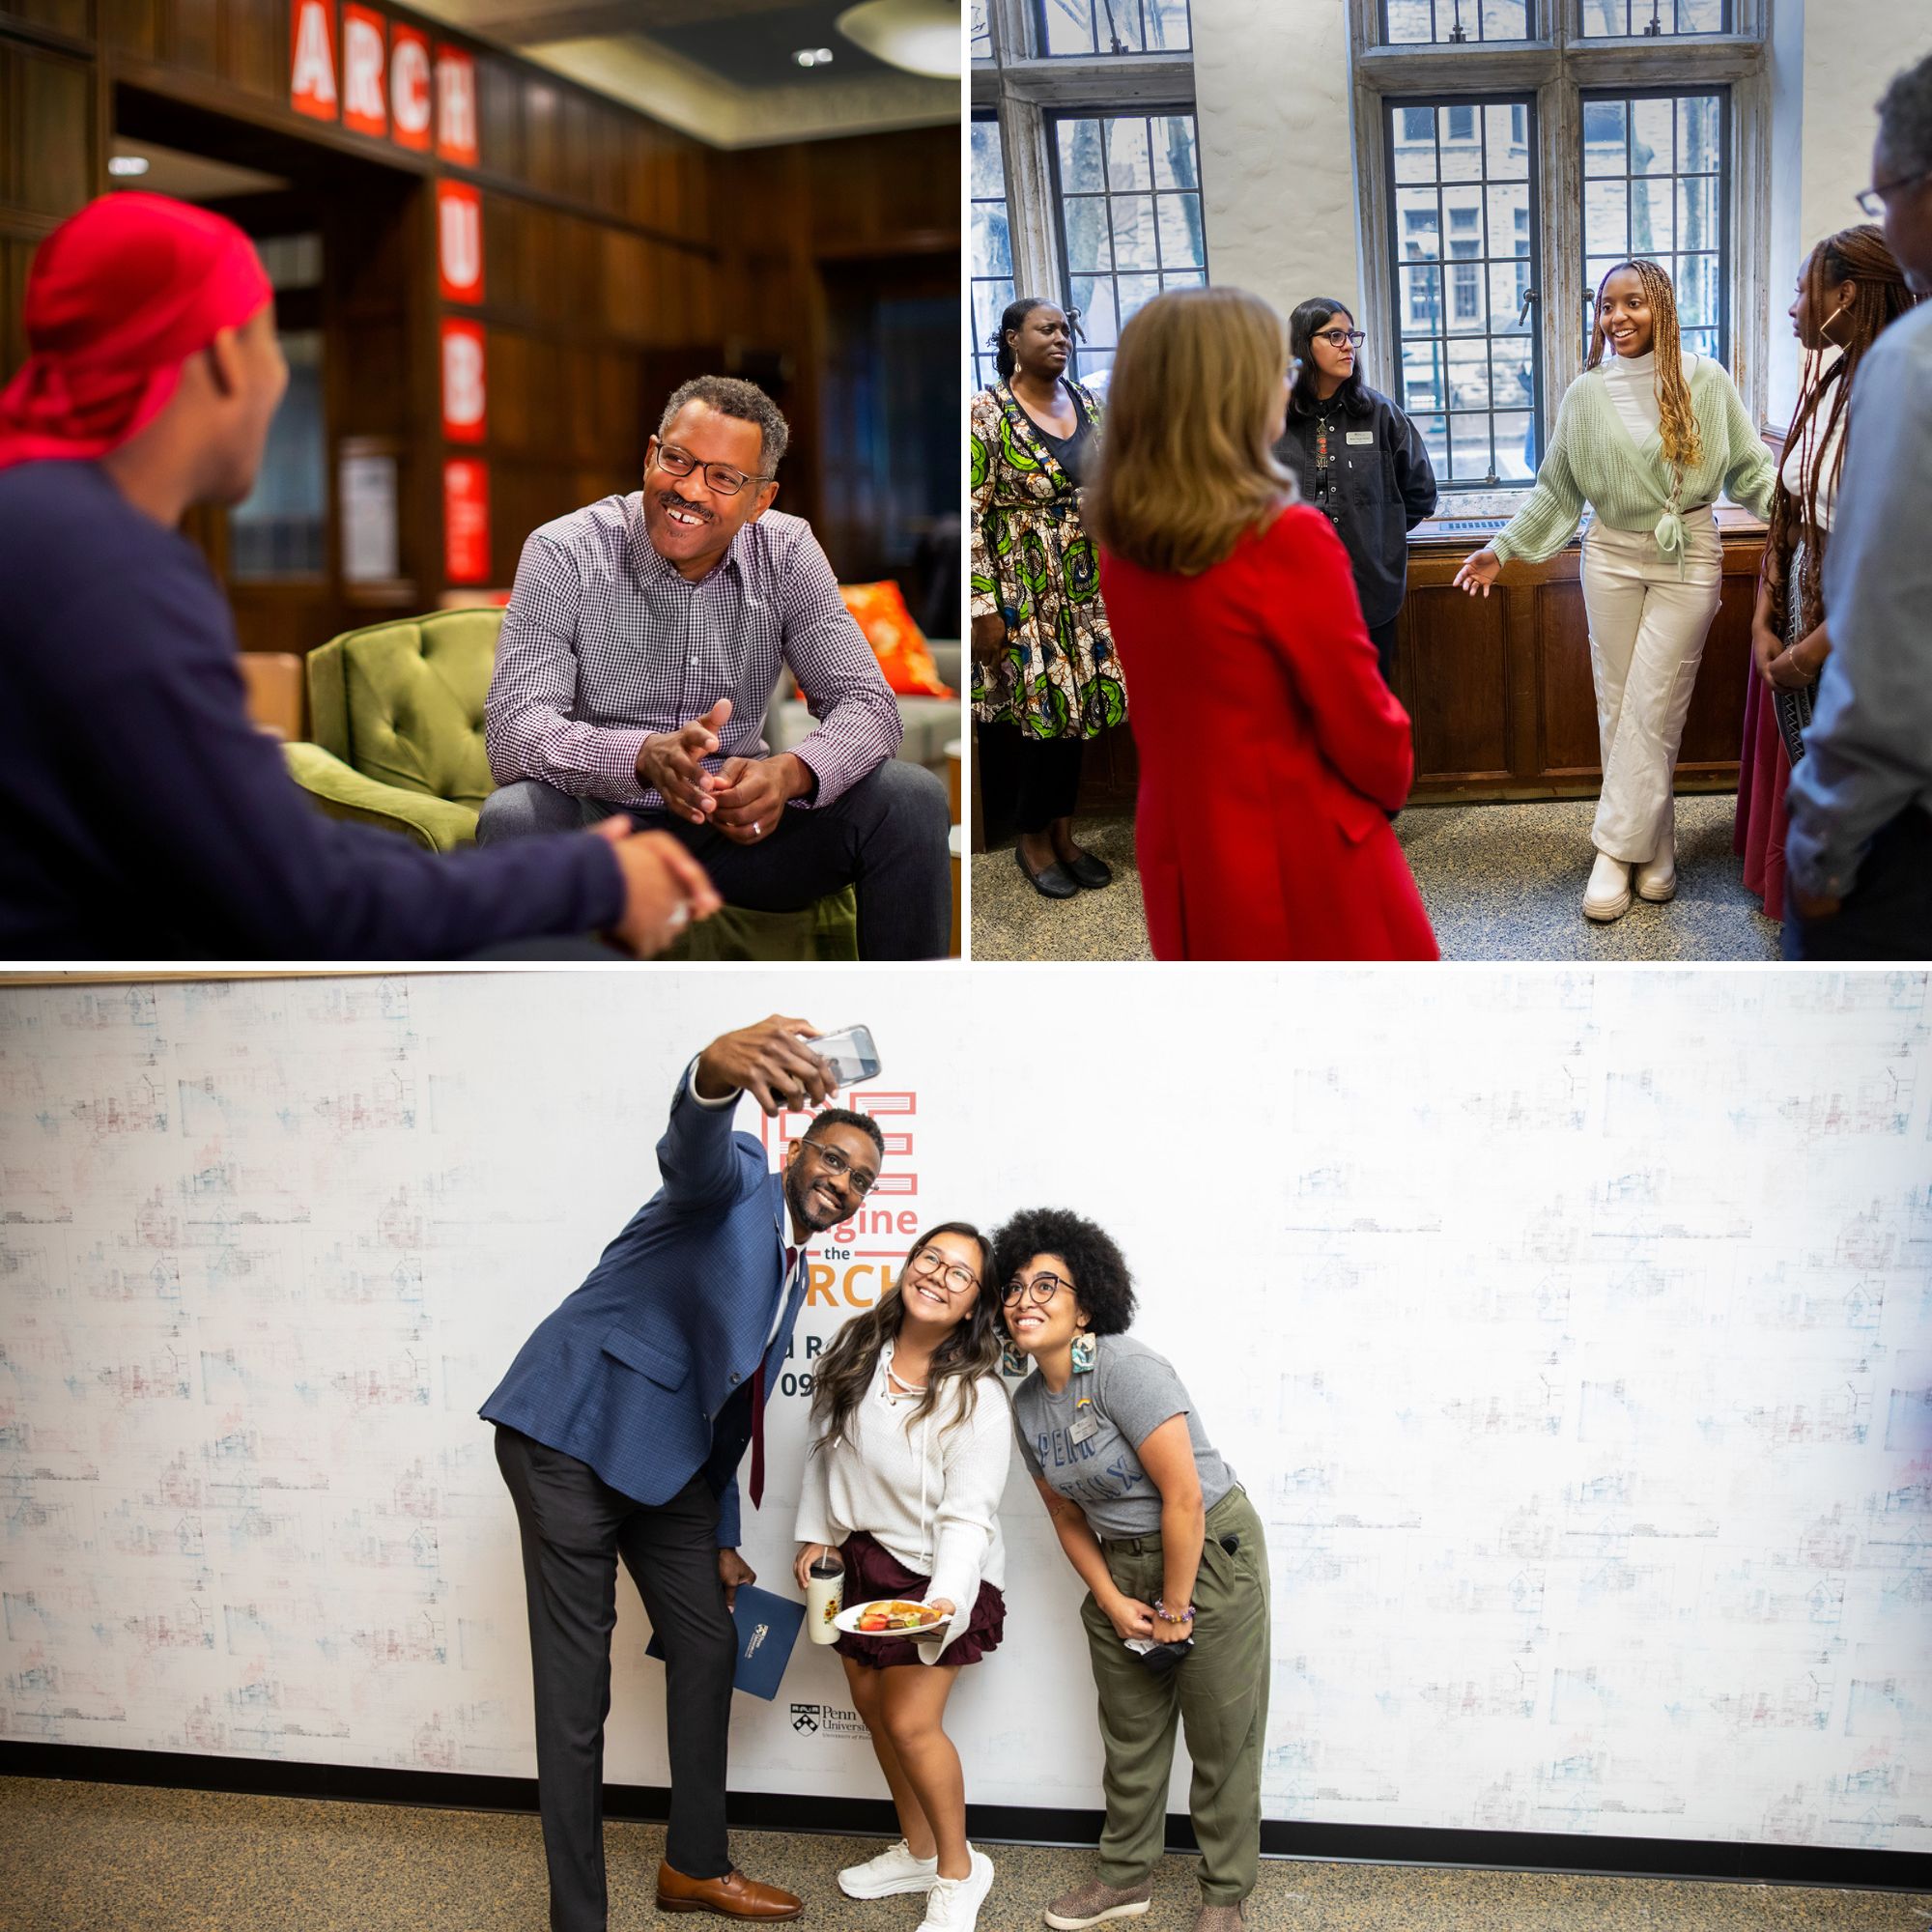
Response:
column 1088, row 872
column 1050, row 882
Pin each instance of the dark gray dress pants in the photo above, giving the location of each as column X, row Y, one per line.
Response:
column 575, row 1527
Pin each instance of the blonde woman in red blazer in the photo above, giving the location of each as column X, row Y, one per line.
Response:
column 1271, row 752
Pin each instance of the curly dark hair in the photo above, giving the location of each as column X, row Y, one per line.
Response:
column 1102, row 1282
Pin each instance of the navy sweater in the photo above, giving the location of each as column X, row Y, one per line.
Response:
column 142, row 816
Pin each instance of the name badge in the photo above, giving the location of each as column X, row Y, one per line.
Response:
column 1361, row 436
column 1083, row 1428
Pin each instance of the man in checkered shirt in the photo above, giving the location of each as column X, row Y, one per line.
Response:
column 641, row 646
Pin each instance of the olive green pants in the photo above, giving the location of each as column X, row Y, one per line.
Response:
column 1219, row 1693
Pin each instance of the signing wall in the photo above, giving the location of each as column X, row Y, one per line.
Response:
column 1573, row 1334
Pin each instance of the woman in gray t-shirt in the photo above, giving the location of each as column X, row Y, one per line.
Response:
column 1172, row 1554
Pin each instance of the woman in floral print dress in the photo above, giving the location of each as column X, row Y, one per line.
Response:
column 1045, row 678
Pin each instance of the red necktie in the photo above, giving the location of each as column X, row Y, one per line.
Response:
column 758, row 1403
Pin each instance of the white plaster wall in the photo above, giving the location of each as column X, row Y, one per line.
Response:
column 1571, row 1331
column 1851, row 49
column 1277, row 157
column 1272, row 88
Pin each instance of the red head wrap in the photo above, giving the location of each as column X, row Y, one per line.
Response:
column 118, row 298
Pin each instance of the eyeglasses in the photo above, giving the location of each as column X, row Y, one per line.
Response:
column 1042, row 1289
column 829, row 1157
column 720, row 478
column 1342, row 338
column 1872, row 199
column 959, row 1278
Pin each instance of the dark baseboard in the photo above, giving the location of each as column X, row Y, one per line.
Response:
column 1010, row 1824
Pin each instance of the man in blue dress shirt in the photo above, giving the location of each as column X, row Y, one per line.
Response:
column 1859, row 853
column 620, row 1430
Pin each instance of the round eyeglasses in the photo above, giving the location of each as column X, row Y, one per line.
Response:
column 959, row 1279
column 1042, row 1289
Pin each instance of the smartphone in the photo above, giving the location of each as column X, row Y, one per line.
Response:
column 851, row 1052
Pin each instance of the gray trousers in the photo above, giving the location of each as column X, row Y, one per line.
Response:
column 885, row 836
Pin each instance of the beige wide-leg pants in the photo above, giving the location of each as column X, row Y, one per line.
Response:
column 1648, row 622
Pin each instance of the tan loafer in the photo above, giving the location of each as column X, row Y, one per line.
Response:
column 732, row 1897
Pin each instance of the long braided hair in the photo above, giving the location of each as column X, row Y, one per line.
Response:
column 1677, row 421
column 1880, row 296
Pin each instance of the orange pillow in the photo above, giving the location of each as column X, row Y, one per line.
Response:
column 896, row 641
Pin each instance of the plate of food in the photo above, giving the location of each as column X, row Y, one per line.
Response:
column 889, row 1616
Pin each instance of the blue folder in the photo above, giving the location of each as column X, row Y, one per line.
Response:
column 768, row 1627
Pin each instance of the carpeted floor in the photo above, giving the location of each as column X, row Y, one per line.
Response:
column 100, row 1857
column 1500, row 881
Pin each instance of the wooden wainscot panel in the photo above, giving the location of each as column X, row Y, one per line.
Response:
column 255, row 48
column 543, row 136
column 1567, row 743
column 49, row 172
column 1452, row 676
column 1713, row 732
column 131, row 27
column 56, row 17
column 1508, row 679
column 191, row 36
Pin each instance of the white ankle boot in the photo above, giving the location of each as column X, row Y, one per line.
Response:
column 1656, row 877
column 1607, row 896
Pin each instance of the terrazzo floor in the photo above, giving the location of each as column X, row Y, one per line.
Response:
column 1501, row 882
column 100, row 1857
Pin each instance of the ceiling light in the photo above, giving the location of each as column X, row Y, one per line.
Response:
column 126, row 164
column 919, row 36
column 812, row 56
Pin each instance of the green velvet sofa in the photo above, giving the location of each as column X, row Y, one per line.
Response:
column 396, row 740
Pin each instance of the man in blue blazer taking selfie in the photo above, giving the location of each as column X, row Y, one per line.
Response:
column 620, row 1430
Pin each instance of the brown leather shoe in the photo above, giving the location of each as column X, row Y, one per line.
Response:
column 735, row 1895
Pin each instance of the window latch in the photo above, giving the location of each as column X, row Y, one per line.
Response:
column 1523, row 307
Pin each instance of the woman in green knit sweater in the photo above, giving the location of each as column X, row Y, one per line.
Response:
column 1647, row 439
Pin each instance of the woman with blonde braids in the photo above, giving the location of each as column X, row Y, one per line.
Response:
column 1646, row 440
column 1849, row 289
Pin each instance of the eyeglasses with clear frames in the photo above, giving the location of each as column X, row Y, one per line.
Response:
column 958, row 1277
column 829, row 1156
column 720, row 478
column 1042, row 1289
column 1872, row 199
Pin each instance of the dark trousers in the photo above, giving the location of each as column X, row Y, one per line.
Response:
column 1037, row 777
column 1382, row 637
column 885, row 836
column 575, row 1527
column 1887, row 914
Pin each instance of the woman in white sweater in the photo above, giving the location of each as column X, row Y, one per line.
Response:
column 1647, row 437
column 911, row 1432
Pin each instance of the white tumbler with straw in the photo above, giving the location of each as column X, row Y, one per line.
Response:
column 824, row 1591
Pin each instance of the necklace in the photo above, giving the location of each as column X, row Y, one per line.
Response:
column 894, row 1387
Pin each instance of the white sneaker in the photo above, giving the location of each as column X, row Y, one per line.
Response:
column 953, row 1905
column 890, row 1873
column 1607, row 896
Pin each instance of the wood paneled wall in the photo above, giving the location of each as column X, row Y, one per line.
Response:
column 1499, row 688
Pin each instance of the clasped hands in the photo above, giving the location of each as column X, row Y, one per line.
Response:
column 742, row 798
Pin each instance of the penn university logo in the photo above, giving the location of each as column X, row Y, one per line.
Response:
column 805, row 1717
